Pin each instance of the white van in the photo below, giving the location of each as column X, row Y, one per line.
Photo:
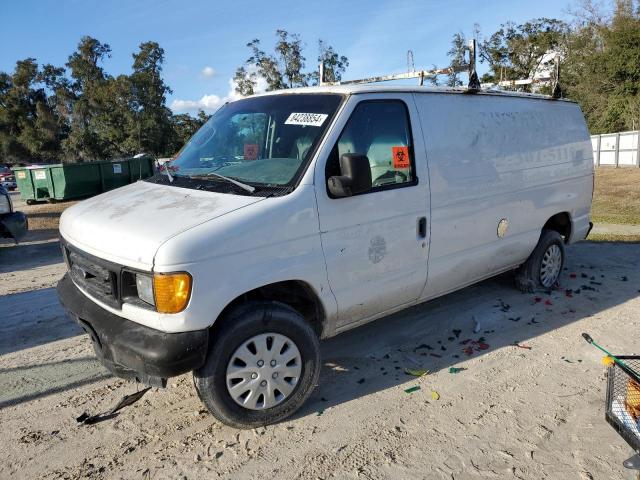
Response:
column 296, row 215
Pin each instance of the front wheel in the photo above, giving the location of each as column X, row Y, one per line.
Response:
column 544, row 265
column 262, row 365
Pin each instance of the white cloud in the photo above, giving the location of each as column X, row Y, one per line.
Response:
column 211, row 103
column 208, row 72
column 208, row 103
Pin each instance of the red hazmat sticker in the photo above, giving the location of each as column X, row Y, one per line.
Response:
column 400, row 157
column 251, row 151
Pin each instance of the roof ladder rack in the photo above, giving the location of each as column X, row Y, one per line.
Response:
column 469, row 67
column 473, row 85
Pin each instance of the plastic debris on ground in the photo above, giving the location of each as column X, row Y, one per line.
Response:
column 607, row 361
column 526, row 347
column 416, row 372
column 435, row 395
column 412, row 389
column 456, row 369
column 504, row 307
column 476, row 324
column 471, row 345
column 86, row 419
column 423, row 346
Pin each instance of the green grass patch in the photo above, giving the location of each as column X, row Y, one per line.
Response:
column 616, row 197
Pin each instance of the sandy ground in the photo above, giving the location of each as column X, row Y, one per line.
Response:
column 513, row 413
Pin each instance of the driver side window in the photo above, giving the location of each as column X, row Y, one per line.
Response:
column 380, row 130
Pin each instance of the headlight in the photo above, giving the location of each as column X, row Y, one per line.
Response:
column 144, row 285
column 167, row 292
column 5, row 204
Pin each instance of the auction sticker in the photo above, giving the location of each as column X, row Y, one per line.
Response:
column 310, row 119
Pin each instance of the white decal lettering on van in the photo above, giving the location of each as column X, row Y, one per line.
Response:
column 310, row 119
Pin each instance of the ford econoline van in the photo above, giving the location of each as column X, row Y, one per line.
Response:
column 293, row 216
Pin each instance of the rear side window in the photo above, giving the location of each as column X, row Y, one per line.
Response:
column 381, row 131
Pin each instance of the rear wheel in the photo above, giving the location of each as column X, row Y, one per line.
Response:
column 544, row 266
column 263, row 364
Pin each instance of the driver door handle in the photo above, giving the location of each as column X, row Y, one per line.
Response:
column 422, row 227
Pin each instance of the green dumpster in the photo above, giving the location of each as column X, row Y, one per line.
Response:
column 25, row 183
column 40, row 178
column 33, row 183
column 140, row 168
column 115, row 174
column 77, row 180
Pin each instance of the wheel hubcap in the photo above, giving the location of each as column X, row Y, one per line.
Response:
column 550, row 266
column 263, row 371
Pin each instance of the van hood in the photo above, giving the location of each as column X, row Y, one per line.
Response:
column 128, row 225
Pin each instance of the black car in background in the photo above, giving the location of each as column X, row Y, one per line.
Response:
column 12, row 224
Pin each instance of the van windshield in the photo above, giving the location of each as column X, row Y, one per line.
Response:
column 261, row 141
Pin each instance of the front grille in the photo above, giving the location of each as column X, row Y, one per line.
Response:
column 93, row 276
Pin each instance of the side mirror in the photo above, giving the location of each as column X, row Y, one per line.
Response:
column 355, row 178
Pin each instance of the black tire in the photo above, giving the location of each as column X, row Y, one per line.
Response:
column 528, row 276
column 241, row 324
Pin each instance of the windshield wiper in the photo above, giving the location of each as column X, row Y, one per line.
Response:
column 244, row 186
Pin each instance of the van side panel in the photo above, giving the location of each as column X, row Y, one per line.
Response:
column 492, row 158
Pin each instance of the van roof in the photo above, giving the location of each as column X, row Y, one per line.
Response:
column 353, row 89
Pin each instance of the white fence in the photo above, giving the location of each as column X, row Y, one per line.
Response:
column 617, row 149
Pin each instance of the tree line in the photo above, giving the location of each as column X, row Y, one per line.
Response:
column 79, row 112
column 599, row 53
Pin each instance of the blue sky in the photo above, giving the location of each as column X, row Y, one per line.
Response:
column 204, row 41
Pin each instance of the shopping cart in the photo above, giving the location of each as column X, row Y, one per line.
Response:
column 623, row 400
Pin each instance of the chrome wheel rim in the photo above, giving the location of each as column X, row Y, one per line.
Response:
column 264, row 371
column 550, row 266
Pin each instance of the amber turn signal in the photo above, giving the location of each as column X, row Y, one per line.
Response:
column 172, row 291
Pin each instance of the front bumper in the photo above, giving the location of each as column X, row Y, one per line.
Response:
column 13, row 225
column 130, row 350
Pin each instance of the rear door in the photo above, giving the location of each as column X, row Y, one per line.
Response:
column 376, row 244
